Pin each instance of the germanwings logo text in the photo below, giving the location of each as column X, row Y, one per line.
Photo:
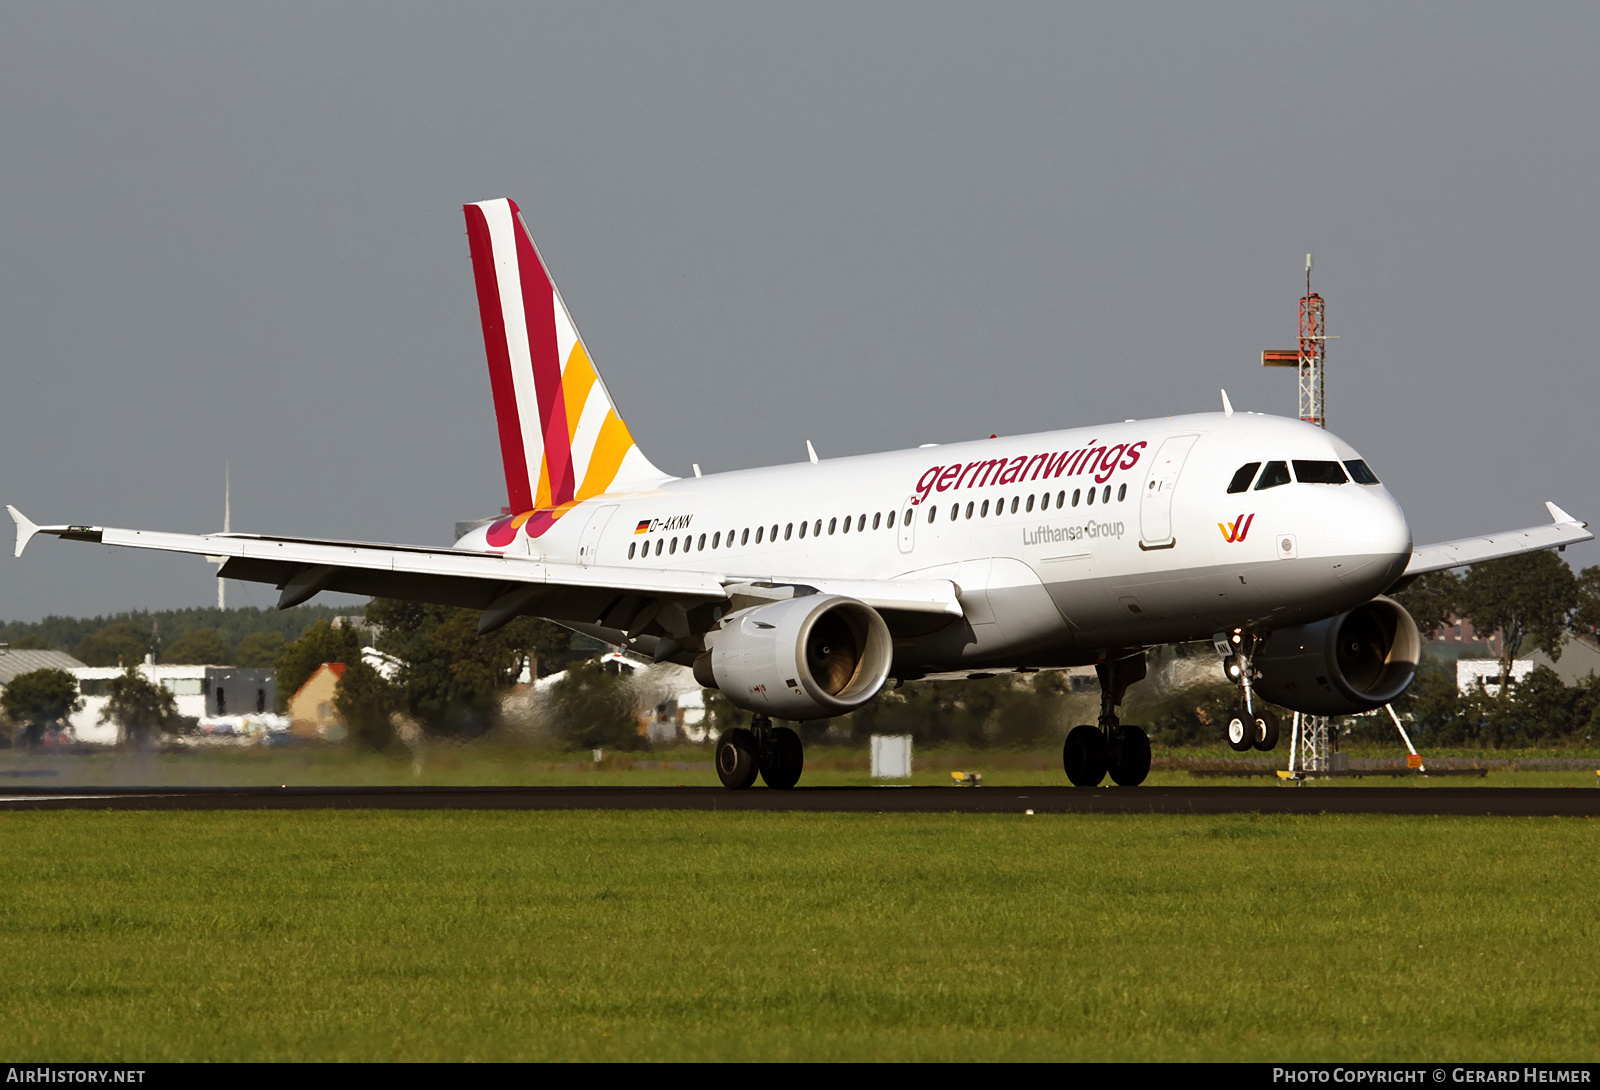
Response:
column 1235, row 530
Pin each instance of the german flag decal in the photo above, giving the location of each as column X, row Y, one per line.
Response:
column 643, row 527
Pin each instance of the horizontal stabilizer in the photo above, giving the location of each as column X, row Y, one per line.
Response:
column 25, row 529
column 1563, row 531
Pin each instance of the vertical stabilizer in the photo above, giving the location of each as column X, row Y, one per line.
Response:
column 561, row 437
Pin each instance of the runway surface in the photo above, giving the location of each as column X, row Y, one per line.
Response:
column 1276, row 799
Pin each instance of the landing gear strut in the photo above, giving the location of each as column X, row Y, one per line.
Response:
column 774, row 752
column 1121, row 749
column 1250, row 725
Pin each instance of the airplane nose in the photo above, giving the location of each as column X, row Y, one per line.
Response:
column 1376, row 541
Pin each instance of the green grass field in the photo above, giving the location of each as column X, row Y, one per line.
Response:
column 687, row 935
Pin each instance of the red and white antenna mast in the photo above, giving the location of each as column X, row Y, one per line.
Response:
column 1310, row 358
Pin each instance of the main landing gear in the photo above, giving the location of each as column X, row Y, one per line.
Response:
column 774, row 752
column 1250, row 724
column 1113, row 747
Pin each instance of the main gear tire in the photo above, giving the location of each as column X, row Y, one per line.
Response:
column 784, row 759
column 1128, row 756
column 1084, row 756
column 736, row 758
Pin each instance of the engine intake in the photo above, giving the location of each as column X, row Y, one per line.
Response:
column 1351, row 663
column 810, row 657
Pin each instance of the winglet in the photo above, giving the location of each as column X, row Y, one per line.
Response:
column 811, row 452
column 1227, row 406
column 25, row 529
column 1555, row 513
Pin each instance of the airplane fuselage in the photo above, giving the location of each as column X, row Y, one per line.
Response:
column 1061, row 544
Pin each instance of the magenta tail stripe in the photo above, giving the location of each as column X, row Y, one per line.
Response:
column 519, row 487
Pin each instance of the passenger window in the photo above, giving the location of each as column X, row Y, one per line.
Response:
column 1105, row 497
column 955, row 509
column 660, row 542
column 833, row 524
column 744, row 538
column 1360, row 472
column 716, row 539
column 1014, row 501
column 1122, row 492
column 672, row 546
column 816, row 528
column 1044, row 502
column 788, row 531
column 804, row 526
column 1241, row 479
column 861, row 523
column 1075, row 494
column 1090, row 499
column 1061, row 499
column 969, row 508
column 1030, row 502
column 759, row 529
column 933, row 513
column 891, row 518
column 700, row 548
column 846, row 526
column 1275, row 474
column 632, row 545
column 983, row 512
column 877, row 519
column 774, row 535
column 1319, row 472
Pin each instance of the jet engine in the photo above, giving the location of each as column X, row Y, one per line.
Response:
column 809, row 657
column 1351, row 663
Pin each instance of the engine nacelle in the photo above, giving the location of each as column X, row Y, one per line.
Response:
column 1351, row 663
column 810, row 657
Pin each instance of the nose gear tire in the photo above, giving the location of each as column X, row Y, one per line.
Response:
column 1266, row 732
column 1084, row 756
column 1241, row 730
column 736, row 758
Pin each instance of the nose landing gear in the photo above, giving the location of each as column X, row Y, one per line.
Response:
column 1111, row 747
column 1250, row 725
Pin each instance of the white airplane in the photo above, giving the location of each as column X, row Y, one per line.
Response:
column 800, row 590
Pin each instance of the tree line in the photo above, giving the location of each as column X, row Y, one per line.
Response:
column 200, row 636
column 451, row 680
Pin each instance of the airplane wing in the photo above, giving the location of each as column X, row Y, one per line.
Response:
column 1562, row 531
column 502, row 586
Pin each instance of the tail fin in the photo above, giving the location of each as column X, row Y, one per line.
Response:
column 560, row 435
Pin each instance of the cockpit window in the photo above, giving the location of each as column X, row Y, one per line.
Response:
column 1241, row 480
column 1275, row 474
column 1360, row 473
column 1319, row 472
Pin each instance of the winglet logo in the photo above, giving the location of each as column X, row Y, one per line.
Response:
column 1235, row 530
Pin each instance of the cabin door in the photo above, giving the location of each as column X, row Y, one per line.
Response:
column 1161, row 480
column 589, row 544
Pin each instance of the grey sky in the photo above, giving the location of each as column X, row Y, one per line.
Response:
column 235, row 234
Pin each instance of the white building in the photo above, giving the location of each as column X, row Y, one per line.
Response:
column 1470, row 673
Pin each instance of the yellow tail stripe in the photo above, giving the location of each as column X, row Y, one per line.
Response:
column 609, row 450
column 576, row 381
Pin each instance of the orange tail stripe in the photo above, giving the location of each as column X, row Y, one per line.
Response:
column 576, row 381
column 609, row 450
